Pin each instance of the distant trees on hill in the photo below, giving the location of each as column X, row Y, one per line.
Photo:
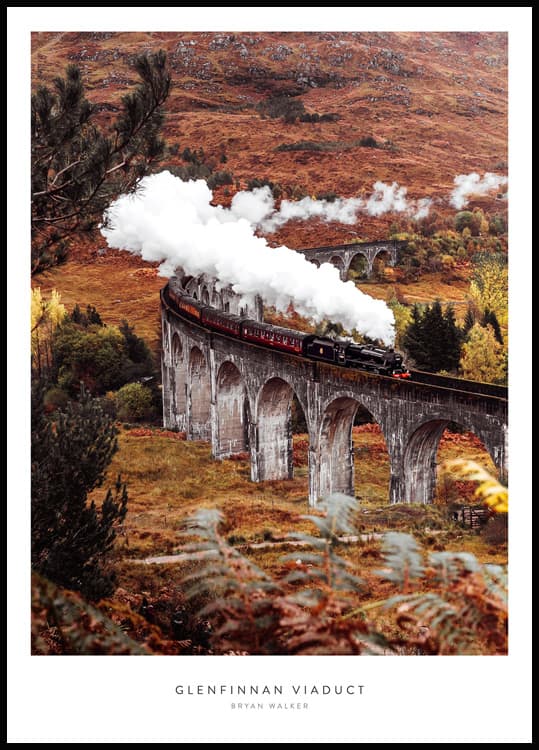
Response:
column 291, row 109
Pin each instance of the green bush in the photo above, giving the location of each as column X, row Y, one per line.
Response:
column 497, row 225
column 369, row 142
column 289, row 108
column 55, row 398
column 219, row 178
column 134, row 402
column 275, row 187
column 467, row 219
column 103, row 357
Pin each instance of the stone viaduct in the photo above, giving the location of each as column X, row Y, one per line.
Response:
column 238, row 396
column 342, row 256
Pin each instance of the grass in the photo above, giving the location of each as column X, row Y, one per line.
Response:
column 119, row 287
column 169, row 478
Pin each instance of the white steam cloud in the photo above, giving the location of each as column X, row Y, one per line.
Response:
column 387, row 198
column 258, row 207
column 173, row 222
column 473, row 184
column 342, row 210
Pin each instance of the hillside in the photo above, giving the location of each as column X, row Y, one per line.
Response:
column 435, row 103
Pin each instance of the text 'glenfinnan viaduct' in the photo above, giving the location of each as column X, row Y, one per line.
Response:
column 238, row 396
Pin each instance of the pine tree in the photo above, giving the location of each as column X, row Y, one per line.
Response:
column 469, row 322
column 413, row 338
column 77, row 316
column 489, row 319
column 71, row 537
column 137, row 349
column 46, row 316
column 93, row 317
column 452, row 339
column 78, row 167
column 433, row 338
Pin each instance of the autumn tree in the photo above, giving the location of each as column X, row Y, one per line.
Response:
column 78, row 165
column 489, row 285
column 45, row 316
column 403, row 318
column 483, row 357
column 71, row 536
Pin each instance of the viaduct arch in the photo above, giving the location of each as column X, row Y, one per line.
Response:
column 239, row 397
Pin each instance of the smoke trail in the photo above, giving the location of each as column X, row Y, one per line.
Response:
column 173, row 222
column 387, row 198
column 422, row 208
column 258, row 207
column 473, row 184
column 341, row 210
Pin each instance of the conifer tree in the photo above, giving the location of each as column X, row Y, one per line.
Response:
column 452, row 339
column 433, row 338
column 79, row 166
column 469, row 322
column 490, row 319
column 71, row 537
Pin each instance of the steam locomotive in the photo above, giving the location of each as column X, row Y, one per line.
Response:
column 347, row 354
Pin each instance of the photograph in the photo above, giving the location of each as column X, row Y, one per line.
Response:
column 268, row 377
column 269, row 343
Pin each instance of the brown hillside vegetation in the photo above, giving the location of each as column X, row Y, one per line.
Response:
column 436, row 104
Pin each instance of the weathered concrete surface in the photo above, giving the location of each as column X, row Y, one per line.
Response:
column 210, row 292
column 342, row 256
column 239, row 396
column 231, row 412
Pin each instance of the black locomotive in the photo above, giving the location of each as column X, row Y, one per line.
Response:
column 360, row 356
column 339, row 352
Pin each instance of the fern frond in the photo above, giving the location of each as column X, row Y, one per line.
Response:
column 403, row 563
column 489, row 490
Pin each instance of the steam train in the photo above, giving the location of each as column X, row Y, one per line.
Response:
column 344, row 353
